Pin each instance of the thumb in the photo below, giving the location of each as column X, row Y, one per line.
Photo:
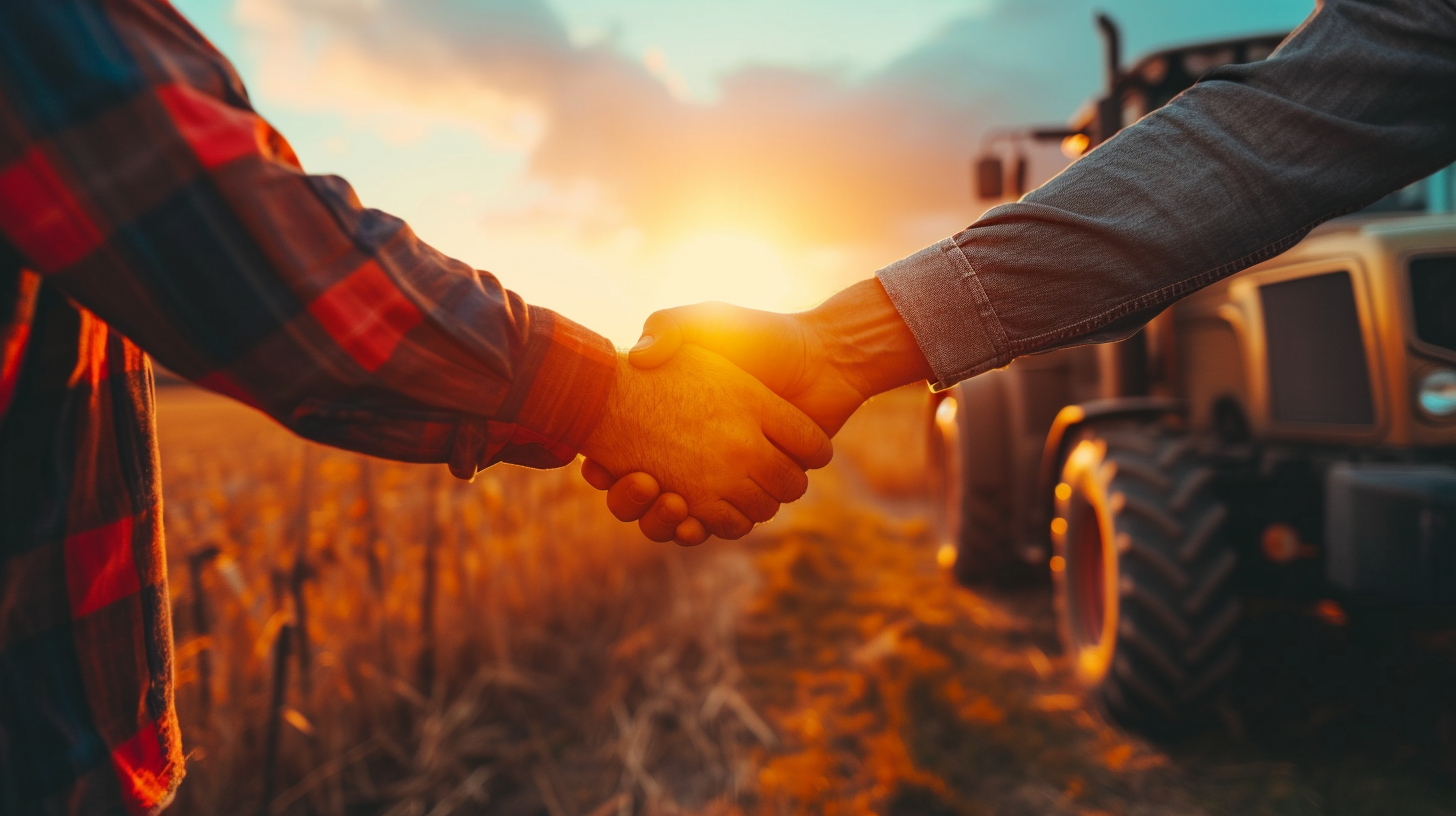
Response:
column 662, row 336
column 768, row 345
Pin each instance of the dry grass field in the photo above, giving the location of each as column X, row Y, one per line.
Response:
column 361, row 637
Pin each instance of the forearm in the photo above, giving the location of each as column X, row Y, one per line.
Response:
column 867, row 339
column 341, row 324
column 177, row 215
column 1359, row 102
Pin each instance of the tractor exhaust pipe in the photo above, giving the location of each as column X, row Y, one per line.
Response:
column 1112, row 42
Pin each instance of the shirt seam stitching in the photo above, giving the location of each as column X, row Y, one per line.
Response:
column 971, row 276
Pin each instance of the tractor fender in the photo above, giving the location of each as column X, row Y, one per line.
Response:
column 1072, row 417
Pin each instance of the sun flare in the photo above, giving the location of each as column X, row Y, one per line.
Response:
column 735, row 267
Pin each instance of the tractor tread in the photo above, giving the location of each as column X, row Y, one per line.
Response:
column 1176, row 643
column 1154, row 559
column 1205, row 530
column 1170, row 621
column 1135, row 682
column 1173, row 450
column 1154, row 515
column 1148, row 475
column 1218, row 575
column 1215, row 633
column 1132, row 441
column 1219, row 671
column 1191, row 486
column 1144, row 647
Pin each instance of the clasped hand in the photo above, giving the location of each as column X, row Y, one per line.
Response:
column 693, row 446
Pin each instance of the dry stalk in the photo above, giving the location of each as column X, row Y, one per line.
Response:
column 546, row 774
column 433, row 533
column 549, row 798
column 471, row 789
column 323, row 772
column 375, row 550
column 372, row 534
column 202, row 628
column 281, row 649
column 298, row 578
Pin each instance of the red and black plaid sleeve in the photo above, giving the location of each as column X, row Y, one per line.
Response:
column 137, row 179
column 145, row 209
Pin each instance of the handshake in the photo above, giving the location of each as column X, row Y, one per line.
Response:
column 718, row 411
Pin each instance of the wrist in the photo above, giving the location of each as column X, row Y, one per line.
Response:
column 603, row 443
column 864, row 336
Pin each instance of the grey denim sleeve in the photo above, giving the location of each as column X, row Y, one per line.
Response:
column 1358, row 102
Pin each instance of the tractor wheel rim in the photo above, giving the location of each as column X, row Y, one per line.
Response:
column 1089, row 604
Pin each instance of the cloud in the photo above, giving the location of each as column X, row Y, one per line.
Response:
column 803, row 155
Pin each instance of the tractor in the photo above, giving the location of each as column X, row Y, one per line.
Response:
column 1287, row 432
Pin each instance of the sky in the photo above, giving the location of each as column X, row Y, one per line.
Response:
column 606, row 158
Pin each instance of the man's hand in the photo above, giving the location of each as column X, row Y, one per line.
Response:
column 731, row 449
column 827, row 362
column 637, row 497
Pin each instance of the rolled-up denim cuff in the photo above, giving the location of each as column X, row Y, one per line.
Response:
column 939, row 296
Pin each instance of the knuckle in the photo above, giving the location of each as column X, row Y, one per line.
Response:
column 714, row 516
column 671, row 511
column 690, row 533
column 823, row 452
column 736, row 529
column 654, row 532
column 809, row 442
column 798, row 484
column 640, row 488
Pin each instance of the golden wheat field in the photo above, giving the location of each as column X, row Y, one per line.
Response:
column 362, row 637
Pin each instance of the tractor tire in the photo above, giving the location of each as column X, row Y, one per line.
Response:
column 971, row 484
column 1143, row 579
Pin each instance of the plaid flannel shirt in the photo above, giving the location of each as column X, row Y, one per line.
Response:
column 146, row 210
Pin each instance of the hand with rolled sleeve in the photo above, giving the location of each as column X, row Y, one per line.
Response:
column 826, row 362
column 711, row 434
column 1358, row 102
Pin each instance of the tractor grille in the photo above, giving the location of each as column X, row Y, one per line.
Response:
column 1317, row 368
column 1433, row 295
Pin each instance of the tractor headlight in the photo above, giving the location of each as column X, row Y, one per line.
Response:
column 1437, row 394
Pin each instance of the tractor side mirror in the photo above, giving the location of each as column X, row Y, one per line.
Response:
column 992, row 182
column 1018, row 178
column 990, row 179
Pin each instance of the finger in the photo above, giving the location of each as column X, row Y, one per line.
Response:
column 690, row 533
column 722, row 519
column 768, row 345
column 753, row 501
column 781, row 478
column 660, row 523
column 732, row 331
column 662, row 336
column 796, row 434
column 596, row 475
column 630, row 497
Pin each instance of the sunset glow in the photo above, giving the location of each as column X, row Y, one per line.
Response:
column 610, row 158
column 735, row 267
